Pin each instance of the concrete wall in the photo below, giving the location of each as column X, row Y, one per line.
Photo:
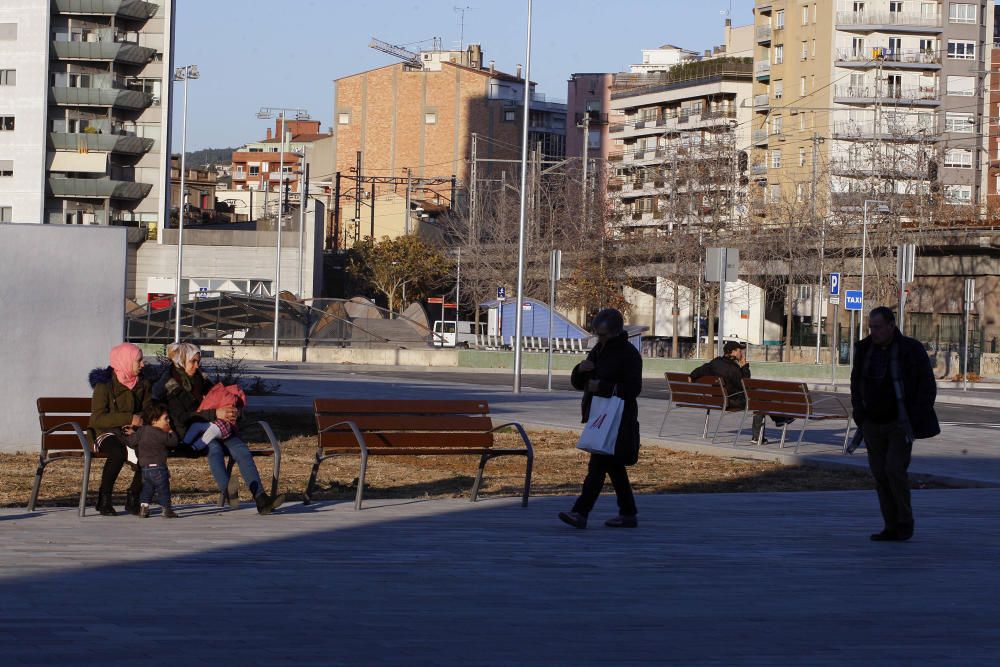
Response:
column 56, row 325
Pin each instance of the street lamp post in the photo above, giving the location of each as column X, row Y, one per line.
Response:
column 882, row 208
column 268, row 113
column 182, row 74
column 519, row 315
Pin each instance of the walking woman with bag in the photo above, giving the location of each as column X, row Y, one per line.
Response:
column 612, row 368
column 120, row 395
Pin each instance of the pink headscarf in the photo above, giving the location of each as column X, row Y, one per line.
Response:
column 123, row 358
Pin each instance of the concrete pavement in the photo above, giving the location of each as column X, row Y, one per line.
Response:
column 723, row 579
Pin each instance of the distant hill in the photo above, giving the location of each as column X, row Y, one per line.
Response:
column 209, row 156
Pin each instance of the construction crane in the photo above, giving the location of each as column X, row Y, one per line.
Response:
column 408, row 57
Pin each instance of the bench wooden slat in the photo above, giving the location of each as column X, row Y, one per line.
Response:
column 58, row 441
column 76, row 406
column 775, row 385
column 48, row 420
column 400, row 407
column 409, row 439
column 777, row 407
column 437, row 423
column 697, row 390
column 395, row 451
column 698, row 402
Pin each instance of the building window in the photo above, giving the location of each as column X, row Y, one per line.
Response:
column 805, row 50
column 805, row 14
column 961, row 85
column 775, row 193
column 8, row 77
column 430, row 118
column 776, row 125
column 895, row 7
column 779, row 89
column 802, row 121
column 958, row 157
column 8, row 32
column 802, row 86
column 776, row 159
column 779, row 54
column 254, row 171
column 802, row 157
column 344, row 118
column 961, row 12
column 6, row 167
column 779, row 19
column 958, row 194
column 509, row 116
column 959, row 122
column 961, row 49
column 6, row 123
column 6, row 214
column 814, row 48
column 800, row 192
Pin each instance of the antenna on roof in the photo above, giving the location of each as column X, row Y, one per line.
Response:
column 461, row 35
column 407, row 56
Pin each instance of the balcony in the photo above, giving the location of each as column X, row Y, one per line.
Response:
column 239, row 176
column 763, row 33
column 847, row 130
column 758, row 170
column 123, row 53
column 98, row 188
column 856, row 168
column 118, row 98
column 891, row 95
column 760, row 137
column 898, row 22
column 762, row 70
column 761, row 102
column 107, row 143
column 902, row 59
column 856, row 200
column 126, row 9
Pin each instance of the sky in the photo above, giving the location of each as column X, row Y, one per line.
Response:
column 287, row 53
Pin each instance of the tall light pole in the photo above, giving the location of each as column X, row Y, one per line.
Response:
column 882, row 208
column 518, row 315
column 182, row 74
column 268, row 113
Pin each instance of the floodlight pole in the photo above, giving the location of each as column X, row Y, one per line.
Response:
column 181, row 74
column 518, row 315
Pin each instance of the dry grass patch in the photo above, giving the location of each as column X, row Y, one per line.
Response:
column 559, row 470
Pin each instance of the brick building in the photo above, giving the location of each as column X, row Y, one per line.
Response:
column 416, row 119
column 256, row 165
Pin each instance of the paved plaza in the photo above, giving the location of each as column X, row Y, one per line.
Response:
column 761, row 579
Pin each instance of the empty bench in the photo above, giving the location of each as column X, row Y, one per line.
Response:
column 778, row 398
column 368, row 428
column 706, row 393
column 64, row 424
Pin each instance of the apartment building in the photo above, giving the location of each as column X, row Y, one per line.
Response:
column 257, row 165
column 84, row 94
column 676, row 146
column 887, row 94
column 993, row 121
column 417, row 117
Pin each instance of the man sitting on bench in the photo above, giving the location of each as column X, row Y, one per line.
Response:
column 731, row 368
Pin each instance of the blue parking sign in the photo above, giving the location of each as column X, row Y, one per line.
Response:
column 834, row 284
column 853, row 300
column 501, row 293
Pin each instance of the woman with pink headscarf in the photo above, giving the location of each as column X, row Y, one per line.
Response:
column 120, row 394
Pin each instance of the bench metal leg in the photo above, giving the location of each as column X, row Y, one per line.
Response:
column 784, row 431
column 361, row 480
column 307, row 496
column 479, row 477
column 37, row 485
column 527, row 478
column 233, row 487
column 659, row 434
column 718, row 424
column 86, row 482
column 704, row 431
column 847, row 435
column 739, row 430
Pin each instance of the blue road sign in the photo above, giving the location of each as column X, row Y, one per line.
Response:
column 853, row 299
column 501, row 293
column 834, row 284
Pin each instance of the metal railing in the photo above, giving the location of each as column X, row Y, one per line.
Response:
column 883, row 18
column 905, row 56
column 886, row 93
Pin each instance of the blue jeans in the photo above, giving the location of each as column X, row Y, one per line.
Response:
column 239, row 451
column 155, row 480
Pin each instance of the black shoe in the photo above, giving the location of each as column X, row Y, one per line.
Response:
column 266, row 504
column 132, row 503
column 887, row 535
column 622, row 522
column 763, row 441
column 104, row 505
column 904, row 533
column 169, row 513
column 574, row 519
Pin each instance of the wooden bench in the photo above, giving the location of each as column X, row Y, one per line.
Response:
column 792, row 400
column 706, row 393
column 64, row 423
column 411, row 428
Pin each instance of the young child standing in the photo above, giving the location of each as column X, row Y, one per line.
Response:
column 151, row 443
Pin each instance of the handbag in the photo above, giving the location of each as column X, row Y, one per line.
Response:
column 601, row 433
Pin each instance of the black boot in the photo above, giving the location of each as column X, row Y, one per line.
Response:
column 104, row 505
column 132, row 502
column 266, row 504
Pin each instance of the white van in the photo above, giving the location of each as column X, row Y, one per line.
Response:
column 449, row 333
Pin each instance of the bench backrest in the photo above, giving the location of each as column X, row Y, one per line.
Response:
column 705, row 392
column 777, row 396
column 55, row 411
column 404, row 423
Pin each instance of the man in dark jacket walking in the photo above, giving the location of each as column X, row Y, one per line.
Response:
column 892, row 395
column 732, row 368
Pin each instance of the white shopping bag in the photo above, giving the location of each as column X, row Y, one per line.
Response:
column 601, row 432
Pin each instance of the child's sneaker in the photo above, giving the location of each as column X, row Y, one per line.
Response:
column 144, row 511
column 169, row 513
